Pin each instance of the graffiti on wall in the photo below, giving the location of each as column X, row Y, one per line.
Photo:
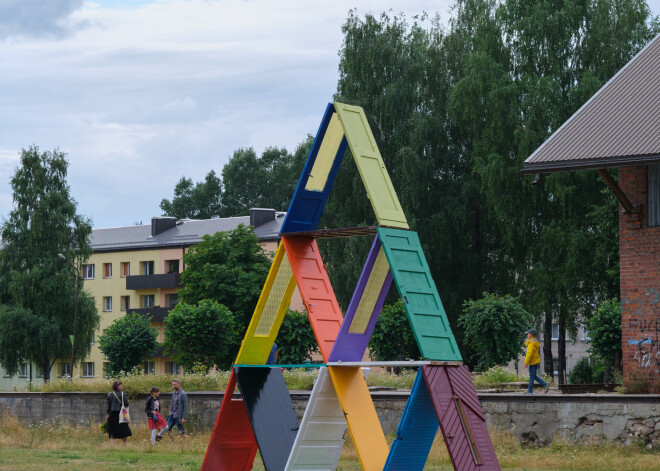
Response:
column 646, row 344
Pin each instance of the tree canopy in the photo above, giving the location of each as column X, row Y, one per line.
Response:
column 37, row 287
column 199, row 201
column 494, row 329
column 455, row 111
column 295, row 340
column 127, row 342
column 201, row 335
column 229, row 268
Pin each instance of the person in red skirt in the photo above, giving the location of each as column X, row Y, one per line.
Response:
column 155, row 419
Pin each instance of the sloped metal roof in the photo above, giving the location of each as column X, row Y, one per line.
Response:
column 187, row 232
column 618, row 126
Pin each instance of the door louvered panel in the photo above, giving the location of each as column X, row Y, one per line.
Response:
column 320, row 439
column 416, row 432
column 461, row 418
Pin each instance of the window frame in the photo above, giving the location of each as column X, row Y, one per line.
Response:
column 125, row 303
column 107, row 270
column 86, row 269
column 144, row 299
column 86, row 365
column 151, row 267
column 65, row 369
column 125, row 269
column 105, row 303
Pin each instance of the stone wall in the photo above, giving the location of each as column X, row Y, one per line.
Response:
column 534, row 420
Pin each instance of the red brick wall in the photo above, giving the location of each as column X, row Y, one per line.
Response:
column 640, row 285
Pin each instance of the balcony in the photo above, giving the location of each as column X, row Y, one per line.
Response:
column 166, row 280
column 157, row 314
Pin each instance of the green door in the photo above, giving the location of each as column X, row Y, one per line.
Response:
column 420, row 297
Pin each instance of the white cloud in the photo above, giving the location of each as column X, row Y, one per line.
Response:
column 38, row 19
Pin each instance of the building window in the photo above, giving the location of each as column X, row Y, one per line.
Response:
column 125, row 269
column 149, row 367
column 148, row 300
column 172, row 299
column 555, row 332
column 107, row 303
column 125, row 303
column 88, row 272
column 148, row 268
column 585, row 335
column 172, row 368
column 107, row 270
column 172, row 266
column 93, row 341
column 40, row 371
column 653, row 195
column 23, row 371
column 65, row 369
column 88, row 369
column 6, row 373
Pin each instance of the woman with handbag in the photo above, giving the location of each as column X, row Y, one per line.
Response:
column 117, row 416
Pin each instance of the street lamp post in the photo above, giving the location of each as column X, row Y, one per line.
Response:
column 75, row 312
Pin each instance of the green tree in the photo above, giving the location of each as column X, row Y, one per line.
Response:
column 199, row 201
column 295, row 340
column 127, row 342
column 393, row 339
column 229, row 268
column 37, row 287
column 262, row 182
column 202, row 334
column 605, row 335
column 493, row 328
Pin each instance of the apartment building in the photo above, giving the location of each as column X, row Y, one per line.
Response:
column 137, row 269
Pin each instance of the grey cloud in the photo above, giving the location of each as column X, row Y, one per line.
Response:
column 37, row 18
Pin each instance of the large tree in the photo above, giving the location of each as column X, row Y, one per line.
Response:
column 455, row 112
column 37, row 286
column 229, row 268
column 201, row 200
column 127, row 342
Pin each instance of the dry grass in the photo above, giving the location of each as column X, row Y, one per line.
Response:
column 58, row 448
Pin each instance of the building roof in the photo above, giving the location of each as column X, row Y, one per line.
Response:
column 186, row 232
column 619, row 126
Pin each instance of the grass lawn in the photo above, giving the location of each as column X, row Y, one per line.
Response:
column 44, row 447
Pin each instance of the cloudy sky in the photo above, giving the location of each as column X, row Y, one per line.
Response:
column 141, row 92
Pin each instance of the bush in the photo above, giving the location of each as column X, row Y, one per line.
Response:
column 582, row 373
column 393, row 338
column 295, row 340
column 127, row 342
column 493, row 327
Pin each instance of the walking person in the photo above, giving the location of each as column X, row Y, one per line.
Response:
column 533, row 361
column 179, row 410
column 117, row 399
column 154, row 418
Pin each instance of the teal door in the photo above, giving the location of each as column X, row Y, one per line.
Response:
column 420, row 297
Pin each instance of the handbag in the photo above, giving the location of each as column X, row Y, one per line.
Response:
column 124, row 413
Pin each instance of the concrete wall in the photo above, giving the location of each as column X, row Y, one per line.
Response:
column 535, row 420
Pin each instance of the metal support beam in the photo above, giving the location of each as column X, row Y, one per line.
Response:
column 628, row 207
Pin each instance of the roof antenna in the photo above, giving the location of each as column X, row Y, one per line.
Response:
column 537, row 179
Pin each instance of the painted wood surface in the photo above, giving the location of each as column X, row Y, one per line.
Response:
column 269, row 313
column 461, row 418
column 232, row 446
column 318, row 176
column 421, row 300
column 364, row 308
column 361, row 418
column 271, row 413
column 416, row 432
column 316, row 291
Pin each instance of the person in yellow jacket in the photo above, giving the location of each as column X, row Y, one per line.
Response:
column 533, row 361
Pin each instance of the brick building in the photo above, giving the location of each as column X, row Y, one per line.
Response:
column 619, row 128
